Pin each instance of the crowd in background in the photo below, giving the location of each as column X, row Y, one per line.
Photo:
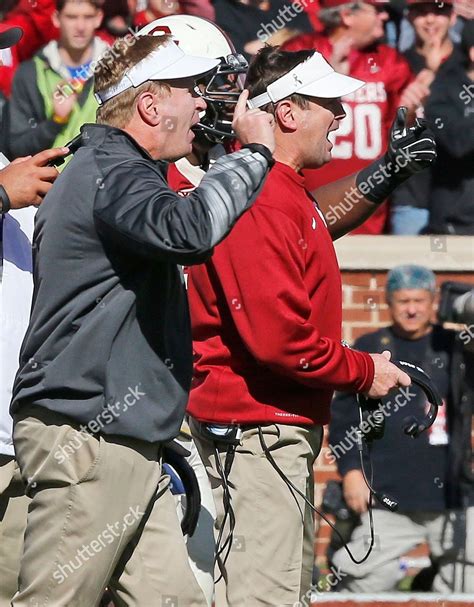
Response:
column 416, row 53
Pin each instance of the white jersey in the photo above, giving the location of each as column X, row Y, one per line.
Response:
column 16, row 290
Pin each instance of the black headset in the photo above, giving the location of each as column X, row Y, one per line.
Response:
column 412, row 426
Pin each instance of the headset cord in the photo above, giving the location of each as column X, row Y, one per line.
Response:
column 228, row 511
column 293, row 489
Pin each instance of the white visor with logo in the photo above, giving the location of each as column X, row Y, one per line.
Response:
column 313, row 77
column 167, row 62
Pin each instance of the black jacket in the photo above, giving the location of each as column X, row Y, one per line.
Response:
column 450, row 111
column 109, row 339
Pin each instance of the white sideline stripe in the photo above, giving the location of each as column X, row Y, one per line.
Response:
column 397, row 597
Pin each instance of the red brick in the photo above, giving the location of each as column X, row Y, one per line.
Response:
column 359, row 279
column 384, row 316
column 358, row 331
column 369, row 298
column 361, row 315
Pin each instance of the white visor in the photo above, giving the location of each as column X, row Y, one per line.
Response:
column 314, row 78
column 167, row 62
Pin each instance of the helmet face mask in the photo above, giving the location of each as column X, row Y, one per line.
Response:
column 221, row 90
column 222, row 86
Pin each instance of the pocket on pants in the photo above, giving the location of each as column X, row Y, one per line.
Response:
column 54, row 454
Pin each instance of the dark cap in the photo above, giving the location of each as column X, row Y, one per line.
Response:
column 9, row 36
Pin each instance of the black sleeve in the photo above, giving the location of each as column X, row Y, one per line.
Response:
column 30, row 130
column 453, row 131
column 135, row 208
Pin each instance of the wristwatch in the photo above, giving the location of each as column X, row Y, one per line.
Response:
column 4, row 201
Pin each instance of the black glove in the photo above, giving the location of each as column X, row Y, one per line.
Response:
column 410, row 150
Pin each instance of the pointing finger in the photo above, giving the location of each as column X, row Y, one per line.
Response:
column 241, row 105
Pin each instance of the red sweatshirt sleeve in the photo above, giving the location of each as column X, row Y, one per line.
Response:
column 260, row 266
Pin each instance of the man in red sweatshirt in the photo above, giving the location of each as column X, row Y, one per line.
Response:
column 266, row 314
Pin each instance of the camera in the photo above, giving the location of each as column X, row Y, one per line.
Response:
column 456, row 303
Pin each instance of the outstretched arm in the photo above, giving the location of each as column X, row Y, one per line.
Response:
column 348, row 202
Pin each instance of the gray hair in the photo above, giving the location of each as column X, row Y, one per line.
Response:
column 331, row 17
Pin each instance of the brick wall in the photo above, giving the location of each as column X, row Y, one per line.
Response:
column 364, row 310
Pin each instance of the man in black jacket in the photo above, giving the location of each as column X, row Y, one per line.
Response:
column 450, row 110
column 415, row 473
column 106, row 363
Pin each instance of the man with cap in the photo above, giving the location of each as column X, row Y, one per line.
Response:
column 266, row 315
column 106, row 363
column 415, row 473
column 352, row 44
column 432, row 48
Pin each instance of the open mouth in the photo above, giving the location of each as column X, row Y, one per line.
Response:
column 331, row 130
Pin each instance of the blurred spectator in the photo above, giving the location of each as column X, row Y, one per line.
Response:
column 450, row 110
column 432, row 47
column 252, row 23
column 351, row 43
column 118, row 19
column 464, row 8
column 121, row 15
column 401, row 463
column 155, row 10
column 52, row 94
column 38, row 30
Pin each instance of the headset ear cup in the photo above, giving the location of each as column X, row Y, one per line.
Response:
column 411, row 426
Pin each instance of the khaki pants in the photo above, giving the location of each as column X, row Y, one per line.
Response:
column 101, row 514
column 396, row 534
column 13, row 511
column 272, row 555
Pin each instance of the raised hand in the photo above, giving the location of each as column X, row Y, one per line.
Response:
column 253, row 125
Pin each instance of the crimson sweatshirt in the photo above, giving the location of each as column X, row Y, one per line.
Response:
column 266, row 316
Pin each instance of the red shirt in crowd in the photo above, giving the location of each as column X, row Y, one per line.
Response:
column 363, row 134
column 266, row 315
column 38, row 30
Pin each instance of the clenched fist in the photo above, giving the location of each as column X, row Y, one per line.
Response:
column 387, row 376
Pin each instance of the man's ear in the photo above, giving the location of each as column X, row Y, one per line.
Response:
column 147, row 106
column 285, row 115
column 55, row 19
column 347, row 16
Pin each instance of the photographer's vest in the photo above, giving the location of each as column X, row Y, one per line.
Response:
column 84, row 110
